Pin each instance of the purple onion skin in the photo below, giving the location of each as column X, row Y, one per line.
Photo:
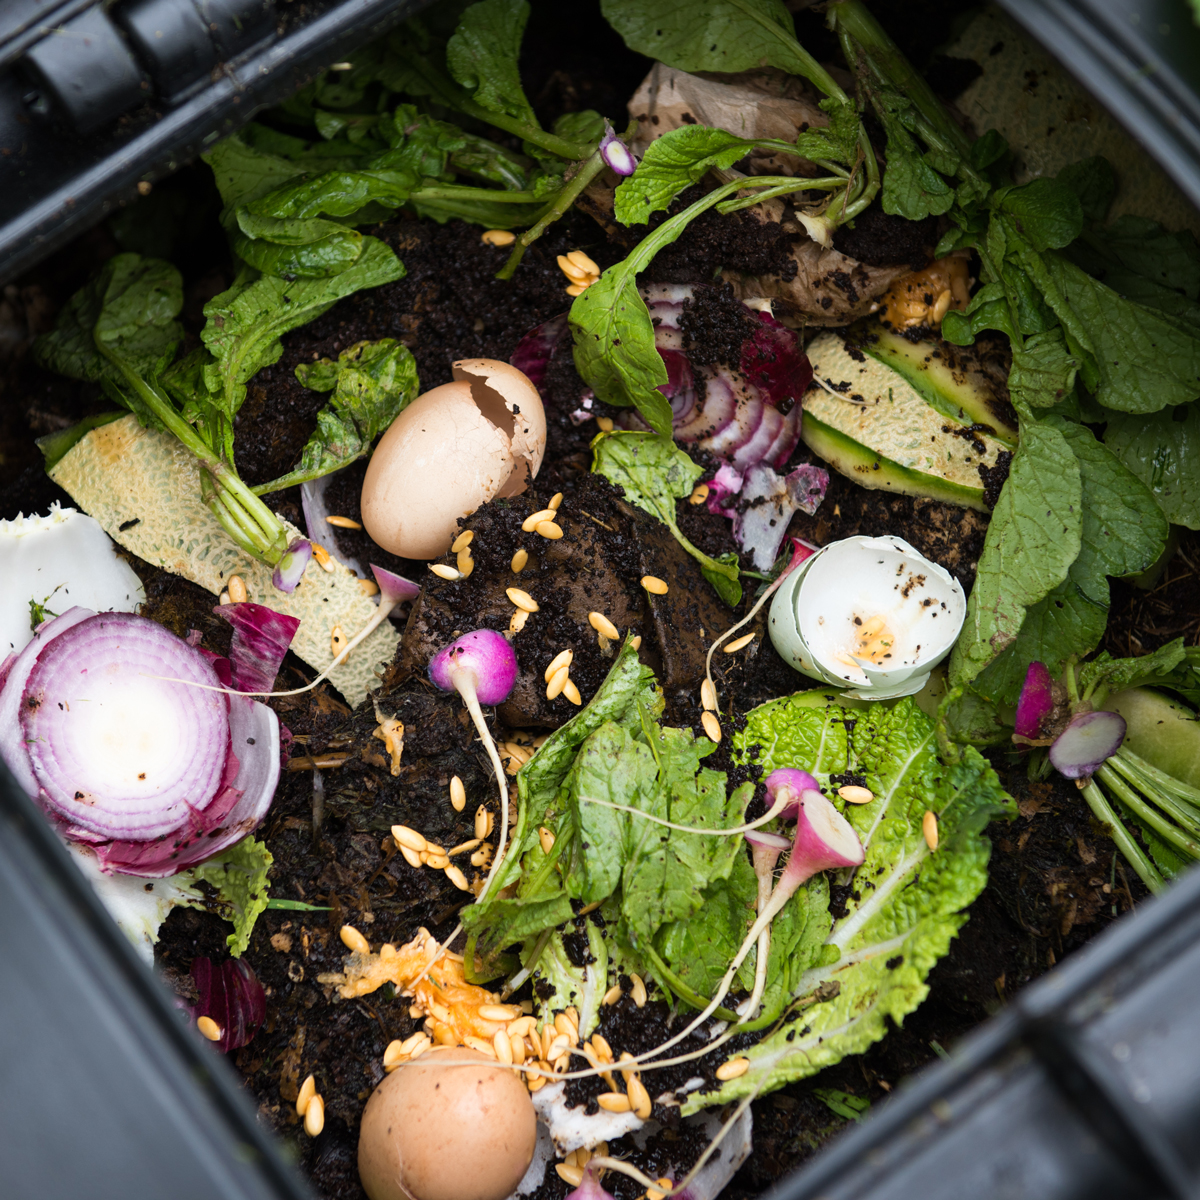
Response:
column 1086, row 742
column 394, row 588
column 1036, row 701
column 292, row 566
column 261, row 638
column 233, row 997
column 487, row 655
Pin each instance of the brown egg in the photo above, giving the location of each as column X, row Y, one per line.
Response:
column 450, row 451
column 451, row 1125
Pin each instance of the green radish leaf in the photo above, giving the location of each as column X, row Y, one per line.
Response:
column 482, row 56
column 1162, row 450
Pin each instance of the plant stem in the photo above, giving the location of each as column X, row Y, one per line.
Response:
column 802, row 62
column 450, row 191
column 687, row 994
column 798, row 184
column 1146, row 870
column 1140, row 809
column 1168, row 783
column 587, row 171
column 1180, row 811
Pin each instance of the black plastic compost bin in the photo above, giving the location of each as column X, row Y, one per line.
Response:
column 1088, row 1085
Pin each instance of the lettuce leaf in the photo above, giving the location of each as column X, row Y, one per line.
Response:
column 907, row 903
column 240, row 876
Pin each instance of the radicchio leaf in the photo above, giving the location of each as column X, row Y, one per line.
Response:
column 261, row 638
column 231, row 995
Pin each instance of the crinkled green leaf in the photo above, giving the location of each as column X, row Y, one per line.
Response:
column 1047, row 211
column 581, row 986
column 1032, row 540
column 911, row 187
column 1162, row 450
column 1043, row 370
column 482, row 56
column 243, row 172
column 1094, row 184
column 1119, row 674
column 312, row 260
column 246, row 322
column 672, row 163
column 240, row 876
column 906, row 905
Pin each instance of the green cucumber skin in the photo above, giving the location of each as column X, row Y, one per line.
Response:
column 871, row 470
column 910, row 359
column 1165, row 732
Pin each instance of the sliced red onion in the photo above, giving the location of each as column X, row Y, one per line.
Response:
column 292, row 565
column 115, row 751
column 230, row 995
column 487, row 656
column 261, row 638
column 1036, row 701
column 773, row 361
column 154, row 775
column 1086, row 742
column 394, row 588
column 535, row 350
column 316, row 512
column 615, row 153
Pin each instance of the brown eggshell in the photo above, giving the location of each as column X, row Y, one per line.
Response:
column 439, row 461
column 508, row 397
column 433, row 1131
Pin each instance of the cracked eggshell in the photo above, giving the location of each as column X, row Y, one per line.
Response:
column 450, row 451
column 818, row 615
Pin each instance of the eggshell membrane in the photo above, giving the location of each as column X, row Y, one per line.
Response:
column 432, row 1131
column 452, row 450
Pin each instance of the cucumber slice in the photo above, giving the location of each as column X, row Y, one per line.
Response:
column 884, row 435
column 954, row 379
column 1163, row 731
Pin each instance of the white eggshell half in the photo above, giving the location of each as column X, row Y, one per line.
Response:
column 813, row 617
column 439, row 461
column 509, row 399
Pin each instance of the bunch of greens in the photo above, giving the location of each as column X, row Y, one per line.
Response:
column 675, row 906
column 121, row 330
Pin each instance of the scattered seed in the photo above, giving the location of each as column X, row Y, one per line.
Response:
column 941, row 306
column 324, row 561
column 423, row 1045
column 557, row 683
column 665, row 1184
column 439, row 862
column 639, row 1098
column 483, row 822
column 712, row 726
column 354, row 941
column 519, row 560
column 628, row 1073
column 582, row 262
column 535, row 1083
column 444, row 571
column 732, row 1069
column 457, row 878
column 605, row 423
column 482, row 856
column 614, row 1102
column 517, row 621
column 314, row 1116
column 499, row 237
column 929, row 827
column 344, row 522
column 555, row 501
column 561, row 659
column 654, row 585
column 237, row 590
column 574, row 273
column 498, row 1012
column 502, row 1047
column 517, row 1048
column 546, row 838
column 523, row 600
column 636, row 642
column 567, row 1027
column 411, row 857
column 603, row 626
column 613, row 994
column 393, row 1056
column 463, row 847
column 856, row 795
column 572, row 693
column 600, row 1043
column 368, row 587
column 462, row 541
column 458, row 794
column 481, row 1044
column 308, row 1089
column 224, row 598
column 569, row 1174
column 708, row 695
column 638, row 991
column 337, row 641
column 403, row 836
column 549, row 530
column 577, row 289
column 737, row 643
column 521, row 1026
column 699, row 494
column 532, row 521
column 209, row 1028
column 466, row 564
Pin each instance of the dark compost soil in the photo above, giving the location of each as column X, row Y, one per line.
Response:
column 1055, row 879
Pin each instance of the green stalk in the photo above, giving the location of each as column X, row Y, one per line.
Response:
column 802, row 63
column 587, row 171
column 1167, row 783
column 687, row 994
column 257, row 516
column 1147, row 872
column 798, row 184
column 449, row 191
column 1143, row 811
column 1185, row 814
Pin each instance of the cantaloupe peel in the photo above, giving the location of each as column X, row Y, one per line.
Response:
column 143, row 487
